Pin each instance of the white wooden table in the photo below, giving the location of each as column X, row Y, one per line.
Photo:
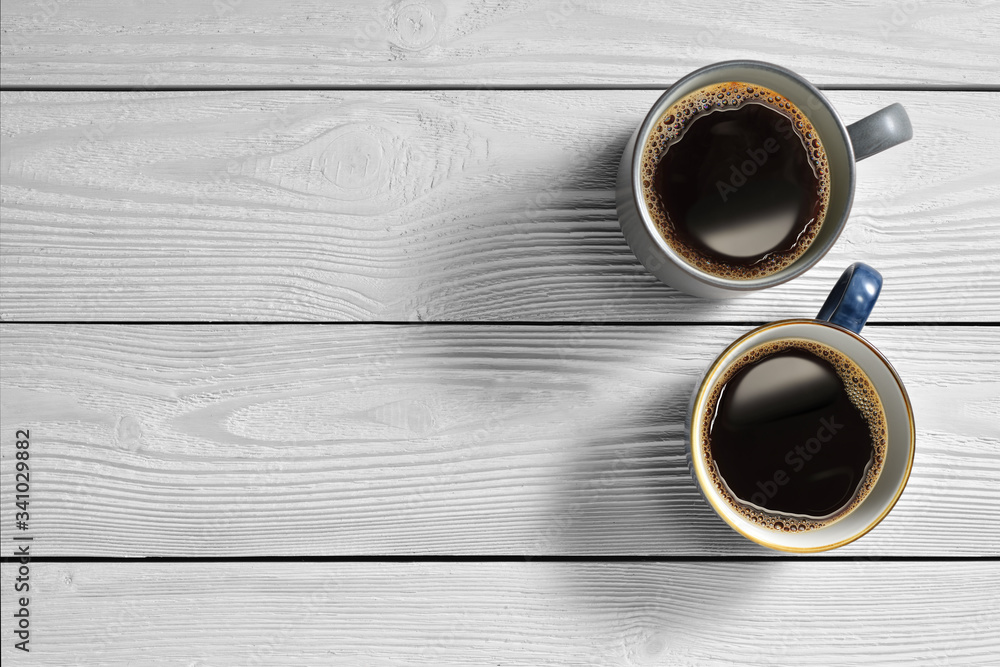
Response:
column 332, row 352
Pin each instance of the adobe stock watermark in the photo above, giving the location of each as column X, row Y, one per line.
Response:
column 756, row 159
column 588, row 493
column 561, row 14
column 278, row 124
column 225, row 7
column 738, row 177
column 902, row 15
column 710, row 35
column 36, row 23
column 796, row 458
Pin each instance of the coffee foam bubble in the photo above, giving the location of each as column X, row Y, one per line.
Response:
column 862, row 395
column 671, row 127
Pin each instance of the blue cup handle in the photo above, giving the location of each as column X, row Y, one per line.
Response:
column 851, row 300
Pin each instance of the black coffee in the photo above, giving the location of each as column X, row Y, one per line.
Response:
column 737, row 180
column 796, row 435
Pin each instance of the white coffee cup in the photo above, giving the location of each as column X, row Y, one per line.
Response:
column 837, row 326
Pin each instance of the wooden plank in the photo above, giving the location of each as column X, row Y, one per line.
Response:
column 471, row 42
column 433, row 206
column 627, row 614
column 373, row 440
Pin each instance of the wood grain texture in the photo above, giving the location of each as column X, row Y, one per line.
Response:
column 433, row 206
column 348, row 440
column 628, row 615
column 463, row 42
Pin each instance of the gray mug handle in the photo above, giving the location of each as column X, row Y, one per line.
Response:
column 881, row 130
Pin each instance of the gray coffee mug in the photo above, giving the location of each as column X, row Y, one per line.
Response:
column 844, row 145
